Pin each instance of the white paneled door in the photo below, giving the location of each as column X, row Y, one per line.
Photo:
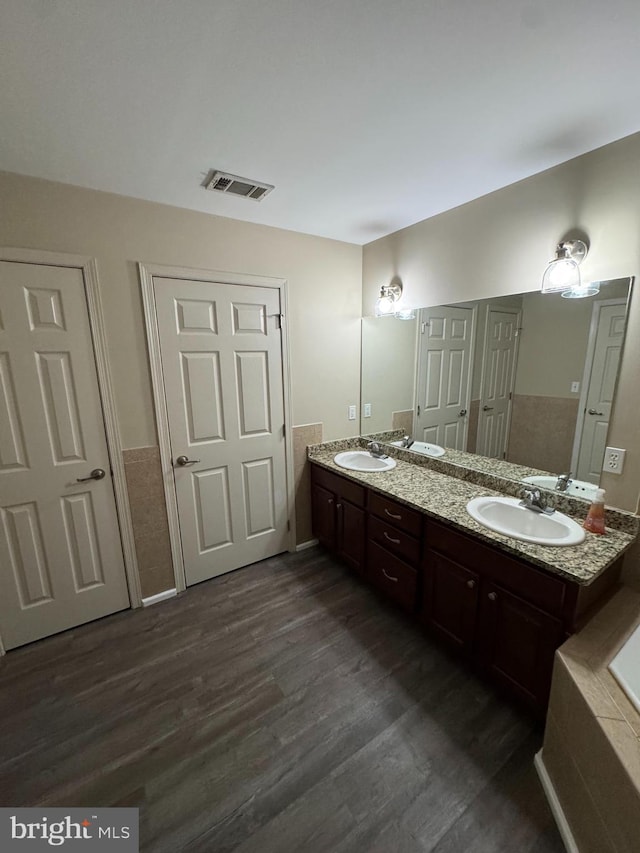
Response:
column 61, row 558
column 221, row 354
column 498, row 377
column 443, row 387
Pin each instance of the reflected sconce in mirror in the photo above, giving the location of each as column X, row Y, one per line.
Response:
column 562, row 275
column 387, row 304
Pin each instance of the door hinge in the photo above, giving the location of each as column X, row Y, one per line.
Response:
column 279, row 320
column 288, row 525
column 423, row 327
column 418, row 413
column 510, row 395
column 284, row 430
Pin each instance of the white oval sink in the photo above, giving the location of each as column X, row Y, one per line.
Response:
column 362, row 460
column 424, row 447
column 575, row 489
column 506, row 516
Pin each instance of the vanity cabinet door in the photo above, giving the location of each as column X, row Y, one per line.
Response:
column 323, row 508
column 450, row 601
column 338, row 516
column 516, row 643
column 350, row 536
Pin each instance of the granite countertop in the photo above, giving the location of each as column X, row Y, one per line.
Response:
column 444, row 497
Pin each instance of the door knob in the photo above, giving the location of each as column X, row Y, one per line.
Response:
column 96, row 474
column 593, row 412
column 184, row 460
column 487, row 408
column 462, row 413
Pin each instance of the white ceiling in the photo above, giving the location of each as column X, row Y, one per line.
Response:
column 367, row 115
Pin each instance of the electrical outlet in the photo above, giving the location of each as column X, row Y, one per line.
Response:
column 352, row 413
column 366, row 410
column 614, row 460
column 575, row 387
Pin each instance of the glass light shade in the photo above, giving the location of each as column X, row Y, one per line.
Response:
column 591, row 288
column 561, row 274
column 385, row 306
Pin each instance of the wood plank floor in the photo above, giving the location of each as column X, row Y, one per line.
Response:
column 281, row 708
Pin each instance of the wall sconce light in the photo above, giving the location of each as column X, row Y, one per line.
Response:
column 389, row 295
column 388, row 303
column 563, row 273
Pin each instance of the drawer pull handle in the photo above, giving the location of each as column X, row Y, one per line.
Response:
column 389, row 577
column 391, row 515
column 386, row 536
column 471, row 584
column 493, row 596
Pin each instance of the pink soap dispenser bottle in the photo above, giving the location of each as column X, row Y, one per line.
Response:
column 594, row 522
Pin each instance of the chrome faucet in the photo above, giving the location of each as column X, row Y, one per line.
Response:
column 534, row 500
column 407, row 441
column 375, row 449
column 564, row 481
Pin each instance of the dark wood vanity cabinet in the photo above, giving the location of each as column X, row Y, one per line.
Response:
column 507, row 616
column 504, row 615
column 338, row 516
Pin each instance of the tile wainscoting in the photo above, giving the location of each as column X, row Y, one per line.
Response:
column 149, row 519
column 549, row 448
column 302, row 436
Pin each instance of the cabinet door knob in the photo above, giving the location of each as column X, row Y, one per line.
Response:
column 329, row 501
column 471, row 584
column 492, row 596
column 338, row 506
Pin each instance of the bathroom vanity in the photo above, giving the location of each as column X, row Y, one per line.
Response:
column 504, row 606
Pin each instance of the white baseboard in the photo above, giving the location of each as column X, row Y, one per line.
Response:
column 304, row 545
column 554, row 804
column 160, row 596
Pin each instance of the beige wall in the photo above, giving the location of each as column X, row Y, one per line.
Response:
column 324, row 278
column 500, row 244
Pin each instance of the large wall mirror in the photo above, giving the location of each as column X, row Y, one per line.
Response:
column 529, row 378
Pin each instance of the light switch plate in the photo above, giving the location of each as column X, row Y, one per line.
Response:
column 614, row 460
column 366, row 410
column 352, row 413
column 575, row 387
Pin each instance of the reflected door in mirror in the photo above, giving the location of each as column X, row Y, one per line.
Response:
column 498, row 377
column 607, row 336
column 443, row 387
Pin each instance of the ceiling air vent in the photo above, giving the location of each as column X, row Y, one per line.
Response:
column 223, row 182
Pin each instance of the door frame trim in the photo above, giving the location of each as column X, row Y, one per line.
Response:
column 89, row 268
column 147, row 273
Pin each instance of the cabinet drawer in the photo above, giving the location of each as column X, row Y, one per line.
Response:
column 339, row 485
column 533, row 584
column 409, row 520
column 395, row 540
column 391, row 575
